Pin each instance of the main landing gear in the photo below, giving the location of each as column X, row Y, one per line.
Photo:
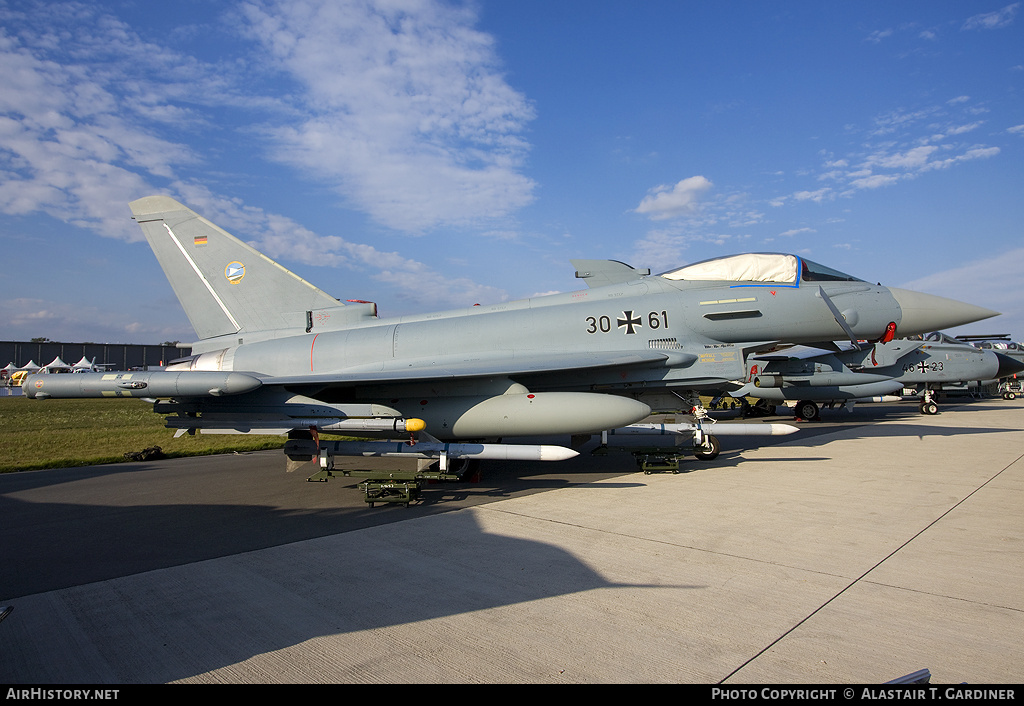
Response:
column 706, row 447
column 808, row 410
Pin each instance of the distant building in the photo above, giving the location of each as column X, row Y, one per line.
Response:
column 111, row 356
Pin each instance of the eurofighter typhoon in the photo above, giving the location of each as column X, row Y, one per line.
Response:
column 277, row 355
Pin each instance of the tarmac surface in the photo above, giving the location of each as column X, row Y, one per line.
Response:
column 866, row 547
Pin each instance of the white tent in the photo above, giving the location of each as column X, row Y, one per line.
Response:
column 31, row 366
column 57, row 364
column 84, row 364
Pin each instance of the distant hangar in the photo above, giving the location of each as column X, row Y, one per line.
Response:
column 111, row 356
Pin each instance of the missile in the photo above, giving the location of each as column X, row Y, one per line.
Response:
column 820, row 392
column 875, row 398
column 432, row 450
column 715, row 429
column 664, row 436
column 212, row 424
column 160, row 383
column 375, row 425
column 819, row 379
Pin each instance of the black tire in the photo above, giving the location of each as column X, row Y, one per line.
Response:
column 710, row 450
column 807, row 409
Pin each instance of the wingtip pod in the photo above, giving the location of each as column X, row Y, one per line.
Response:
column 161, row 383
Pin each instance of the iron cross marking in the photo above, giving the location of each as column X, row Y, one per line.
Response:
column 629, row 322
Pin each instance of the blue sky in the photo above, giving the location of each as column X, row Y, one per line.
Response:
column 431, row 155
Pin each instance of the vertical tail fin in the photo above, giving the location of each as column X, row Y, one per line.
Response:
column 224, row 285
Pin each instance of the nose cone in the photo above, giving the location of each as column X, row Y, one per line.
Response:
column 1008, row 366
column 923, row 313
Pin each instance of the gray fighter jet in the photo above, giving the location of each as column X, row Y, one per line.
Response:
column 810, row 376
column 277, row 355
column 1012, row 385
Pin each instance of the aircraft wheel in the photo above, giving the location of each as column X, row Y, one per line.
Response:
column 807, row 409
column 709, row 451
column 929, row 408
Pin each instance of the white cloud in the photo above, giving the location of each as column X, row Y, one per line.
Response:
column 973, row 153
column 961, row 129
column 900, row 119
column 993, row 20
column 666, row 202
column 816, row 196
column 25, row 318
column 874, row 181
column 403, row 109
column 68, row 145
column 419, row 125
column 914, row 142
column 797, row 231
column 911, row 159
column 280, row 237
column 878, row 35
column 663, row 248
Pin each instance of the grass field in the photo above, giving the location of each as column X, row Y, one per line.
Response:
column 38, row 434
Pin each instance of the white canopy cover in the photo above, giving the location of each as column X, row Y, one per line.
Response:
column 749, row 267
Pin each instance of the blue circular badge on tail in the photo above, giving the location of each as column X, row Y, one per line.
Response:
column 235, row 271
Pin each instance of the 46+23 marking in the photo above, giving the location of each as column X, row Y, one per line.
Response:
column 922, row 367
column 628, row 321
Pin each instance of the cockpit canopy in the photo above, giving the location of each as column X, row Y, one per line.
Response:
column 939, row 337
column 759, row 267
